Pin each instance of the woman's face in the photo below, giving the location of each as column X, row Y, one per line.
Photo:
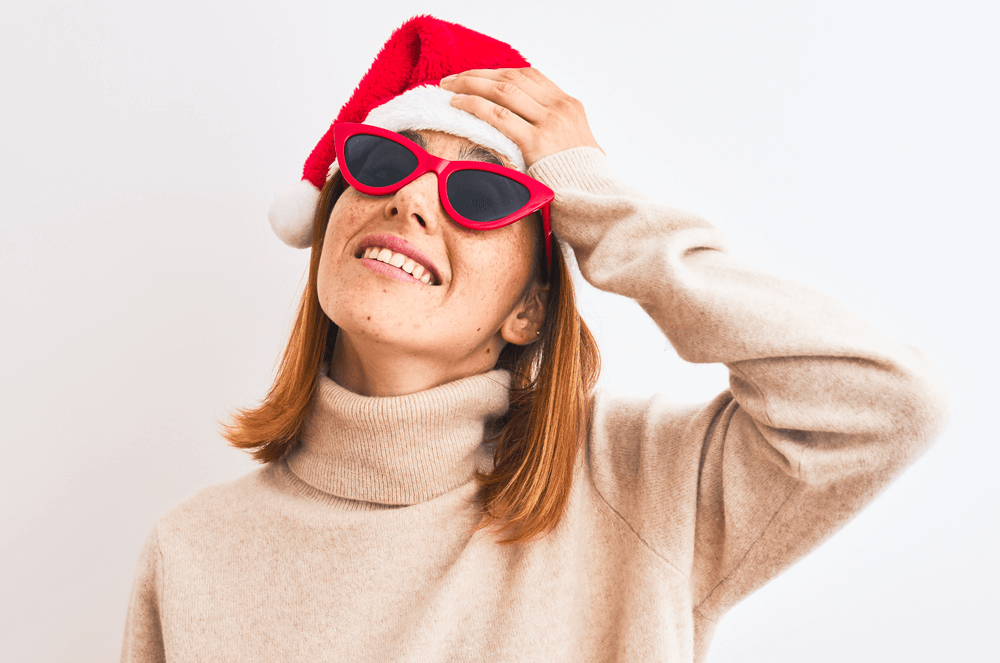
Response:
column 474, row 304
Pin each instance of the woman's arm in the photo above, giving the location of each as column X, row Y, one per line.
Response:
column 822, row 411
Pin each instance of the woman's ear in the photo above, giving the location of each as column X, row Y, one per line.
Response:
column 523, row 324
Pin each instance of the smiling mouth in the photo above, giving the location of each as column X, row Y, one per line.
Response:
column 402, row 264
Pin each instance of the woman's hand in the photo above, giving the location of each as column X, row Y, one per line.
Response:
column 525, row 106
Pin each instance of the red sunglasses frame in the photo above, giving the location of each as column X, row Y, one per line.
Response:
column 540, row 195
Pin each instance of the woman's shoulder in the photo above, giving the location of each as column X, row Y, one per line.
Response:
column 214, row 506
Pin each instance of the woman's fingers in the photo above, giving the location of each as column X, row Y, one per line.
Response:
column 510, row 124
column 525, row 106
column 501, row 90
column 528, row 81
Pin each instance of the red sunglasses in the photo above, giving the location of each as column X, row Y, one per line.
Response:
column 477, row 195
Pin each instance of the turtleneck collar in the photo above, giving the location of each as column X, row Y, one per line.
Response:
column 397, row 450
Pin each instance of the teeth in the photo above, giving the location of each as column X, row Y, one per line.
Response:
column 399, row 260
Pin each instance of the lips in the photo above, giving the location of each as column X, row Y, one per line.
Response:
column 399, row 245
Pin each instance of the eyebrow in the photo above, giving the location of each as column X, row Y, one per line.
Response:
column 473, row 152
column 479, row 154
column 414, row 136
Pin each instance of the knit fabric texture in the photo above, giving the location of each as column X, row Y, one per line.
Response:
column 355, row 545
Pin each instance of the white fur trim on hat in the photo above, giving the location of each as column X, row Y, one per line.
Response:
column 291, row 214
column 429, row 107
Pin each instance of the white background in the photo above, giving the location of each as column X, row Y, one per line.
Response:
column 851, row 146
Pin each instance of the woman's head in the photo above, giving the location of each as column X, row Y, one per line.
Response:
column 489, row 305
column 485, row 290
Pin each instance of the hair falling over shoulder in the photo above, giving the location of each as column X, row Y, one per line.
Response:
column 270, row 429
column 540, row 438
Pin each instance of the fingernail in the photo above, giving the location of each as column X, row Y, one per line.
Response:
column 458, row 96
column 448, row 79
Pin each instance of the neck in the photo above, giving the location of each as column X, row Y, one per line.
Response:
column 370, row 368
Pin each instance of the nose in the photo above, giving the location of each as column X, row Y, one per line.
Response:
column 418, row 202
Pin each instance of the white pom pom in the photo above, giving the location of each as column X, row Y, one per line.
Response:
column 291, row 214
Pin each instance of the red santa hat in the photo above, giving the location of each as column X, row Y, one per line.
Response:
column 401, row 91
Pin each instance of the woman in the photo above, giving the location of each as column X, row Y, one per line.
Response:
column 441, row 480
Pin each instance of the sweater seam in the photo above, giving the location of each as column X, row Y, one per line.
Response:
column 777, row 511
column 696, row 611
column 637, row 535
column 750, row 548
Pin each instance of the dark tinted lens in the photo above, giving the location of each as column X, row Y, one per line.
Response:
column 376, row 161
column 482, row 196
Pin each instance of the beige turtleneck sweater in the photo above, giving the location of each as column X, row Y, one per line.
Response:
column 354, row 546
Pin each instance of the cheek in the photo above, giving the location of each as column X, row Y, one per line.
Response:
column 345, row 215
column 344, row 221
column 496, row 271
column 515, row 258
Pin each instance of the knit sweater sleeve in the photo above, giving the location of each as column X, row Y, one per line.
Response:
column 822, row 411
column 143, row 641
